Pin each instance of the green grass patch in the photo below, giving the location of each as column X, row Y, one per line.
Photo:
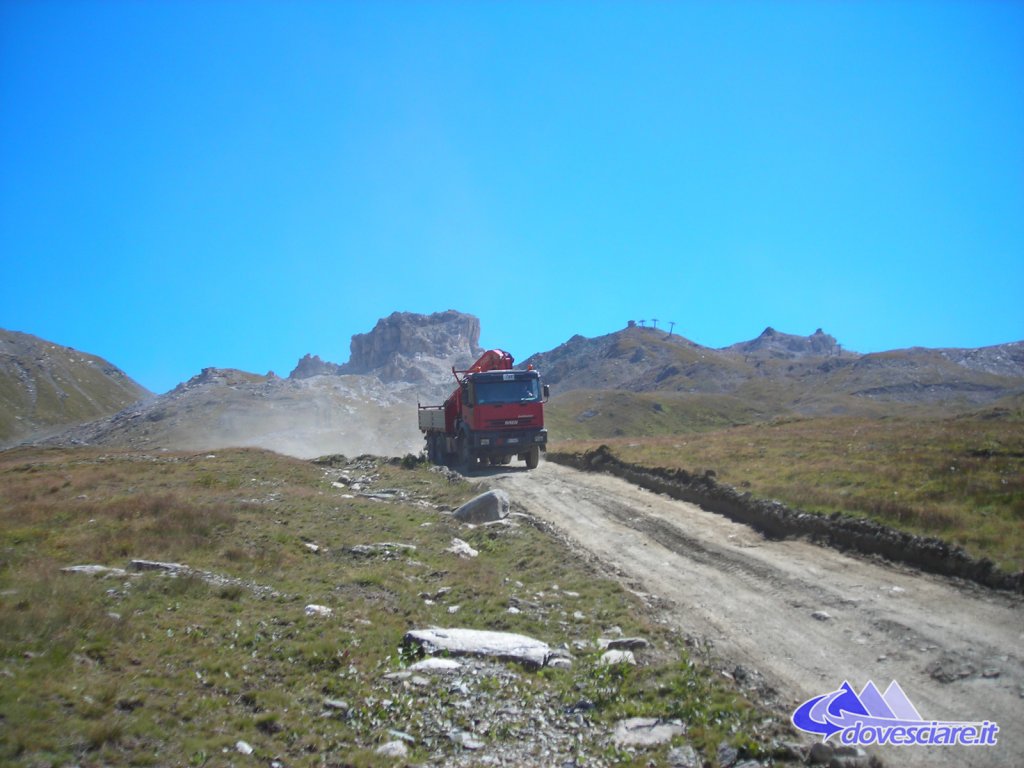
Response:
column 153, row 670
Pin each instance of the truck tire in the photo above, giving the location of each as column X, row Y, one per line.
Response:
column 533, row 457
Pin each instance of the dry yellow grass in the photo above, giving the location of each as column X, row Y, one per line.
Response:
column 961, row 479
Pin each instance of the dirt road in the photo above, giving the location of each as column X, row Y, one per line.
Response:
column 804, row 617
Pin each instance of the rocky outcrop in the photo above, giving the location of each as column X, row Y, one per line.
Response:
column 772, row 343
column 220, row 377
column 999, row 360
column 410, row 347
column 312, row 365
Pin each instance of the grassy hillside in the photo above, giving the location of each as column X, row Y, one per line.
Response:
column 45, row 385
column 961, row 479
column 146, row 669
column 598, row 414
column 583, row 414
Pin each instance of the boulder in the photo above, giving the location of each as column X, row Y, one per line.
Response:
column 462, row 549
column 611, row 658
column 488, row 507
column 645, row 732
column 95, row 570
column 506, row 646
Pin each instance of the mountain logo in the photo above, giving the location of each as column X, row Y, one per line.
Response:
column 889, row 718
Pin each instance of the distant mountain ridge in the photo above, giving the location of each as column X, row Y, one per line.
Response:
column 633, row 381
column 607, row 385
column 643, row 359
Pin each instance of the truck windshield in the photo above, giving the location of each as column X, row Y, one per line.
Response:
column 522, row 391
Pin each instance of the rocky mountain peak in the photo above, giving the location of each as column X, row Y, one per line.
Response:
column 227, row 377
column 406, row 346
column 312, row 365
column 772, row 343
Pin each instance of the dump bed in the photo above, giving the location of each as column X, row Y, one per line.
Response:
column 432, row 418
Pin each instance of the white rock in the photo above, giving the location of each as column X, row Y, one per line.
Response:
column 396, row 749
column 608, row 658
column 319, row 610
column 461, row 548
column 645, row 732
column 95, row 570
column 474, row 642
column 436, row 665
column 467, row 740
column 244, row 747
column 155, row 565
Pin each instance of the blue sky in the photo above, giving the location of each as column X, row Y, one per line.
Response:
column 192, row 184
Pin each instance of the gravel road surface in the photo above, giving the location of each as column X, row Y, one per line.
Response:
column 803, row 616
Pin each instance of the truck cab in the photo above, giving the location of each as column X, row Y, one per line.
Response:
column 503, row 416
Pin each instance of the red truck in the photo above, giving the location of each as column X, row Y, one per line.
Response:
column 495, row 413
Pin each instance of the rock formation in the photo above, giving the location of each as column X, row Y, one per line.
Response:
column 772, row 343
column 312, row 365
column 409, row 347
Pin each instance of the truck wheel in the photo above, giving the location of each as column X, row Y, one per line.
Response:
column 533, row 457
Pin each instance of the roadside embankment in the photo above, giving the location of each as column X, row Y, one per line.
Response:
column 776, row 520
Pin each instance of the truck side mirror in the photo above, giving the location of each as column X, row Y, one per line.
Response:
column 465, row 393
column 547, row 393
